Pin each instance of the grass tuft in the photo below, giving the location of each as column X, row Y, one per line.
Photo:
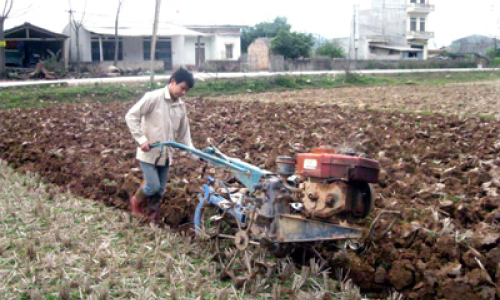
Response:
column 64, row 291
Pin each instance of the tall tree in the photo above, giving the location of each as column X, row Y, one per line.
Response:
column 76, row 25
column 153, row 43
column 116, row 31
column 7, row 7
column 292, row 44
column 263, row 29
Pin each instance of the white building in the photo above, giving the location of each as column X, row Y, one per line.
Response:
column 177, row 46
column 392, row 29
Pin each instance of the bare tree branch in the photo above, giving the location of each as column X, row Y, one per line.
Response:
column 84, row 11
column 6, row 9
column 10, row 8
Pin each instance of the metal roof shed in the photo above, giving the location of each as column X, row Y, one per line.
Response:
column 31, row 43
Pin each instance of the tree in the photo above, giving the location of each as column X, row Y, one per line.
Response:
column 116, row 31
column 330, row 49
column 263, row 29
column 3, row 16
column 493, row 52
column 292, row 44
column 76, row 25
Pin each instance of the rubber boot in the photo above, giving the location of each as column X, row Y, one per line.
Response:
column 137, row 201
column 154, row 205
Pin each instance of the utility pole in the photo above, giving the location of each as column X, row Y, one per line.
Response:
column 354, row 29
column 383, row 17
column 497, row 30
column 352, row 43
column 153, row 43
column 117, row 44
column 351, row 40
column 70, row 11
column 355, row 32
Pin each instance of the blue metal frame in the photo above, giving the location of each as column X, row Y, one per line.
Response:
column 215, row 199
column 249, row 175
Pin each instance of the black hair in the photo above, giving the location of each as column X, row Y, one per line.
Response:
column 183, row 75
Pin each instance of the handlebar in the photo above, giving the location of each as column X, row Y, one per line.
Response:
column 246, row 173
column 203, row 154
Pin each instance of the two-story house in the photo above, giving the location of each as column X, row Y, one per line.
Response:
column 392, row 29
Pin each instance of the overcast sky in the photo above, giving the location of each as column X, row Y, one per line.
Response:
column 451, row 20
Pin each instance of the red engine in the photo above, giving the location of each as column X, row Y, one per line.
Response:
column 334, row 184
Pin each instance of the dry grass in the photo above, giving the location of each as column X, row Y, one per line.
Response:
column 56, row 246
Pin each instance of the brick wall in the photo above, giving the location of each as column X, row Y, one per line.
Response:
column 258, row 56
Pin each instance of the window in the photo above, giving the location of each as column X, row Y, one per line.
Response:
column 413, row 24
column 422, row 24
column 413, row 1
column 108, row 48
column 229, row 51
column 163, row 49
column 199, row 53
column 96, row 51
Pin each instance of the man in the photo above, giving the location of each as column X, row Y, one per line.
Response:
column 160, row 116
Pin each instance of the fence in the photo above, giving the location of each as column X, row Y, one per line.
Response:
column 279, row 64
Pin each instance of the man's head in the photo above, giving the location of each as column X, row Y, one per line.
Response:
column 180, row 83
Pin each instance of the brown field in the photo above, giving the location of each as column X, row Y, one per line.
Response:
column 441, row 171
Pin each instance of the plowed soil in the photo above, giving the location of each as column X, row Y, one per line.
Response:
column 441, row 172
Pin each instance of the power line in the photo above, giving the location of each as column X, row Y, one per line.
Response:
column 92, row 14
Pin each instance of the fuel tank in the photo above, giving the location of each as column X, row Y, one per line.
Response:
column 326, row 164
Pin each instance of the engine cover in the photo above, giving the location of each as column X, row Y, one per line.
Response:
column 324, row 163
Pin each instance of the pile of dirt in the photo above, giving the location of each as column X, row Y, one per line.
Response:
column 441, row 172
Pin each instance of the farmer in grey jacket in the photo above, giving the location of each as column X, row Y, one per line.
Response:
column 160, row 116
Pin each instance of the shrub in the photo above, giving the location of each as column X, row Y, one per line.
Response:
column 285, row 81
column 495, row 62
column 355, row 78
